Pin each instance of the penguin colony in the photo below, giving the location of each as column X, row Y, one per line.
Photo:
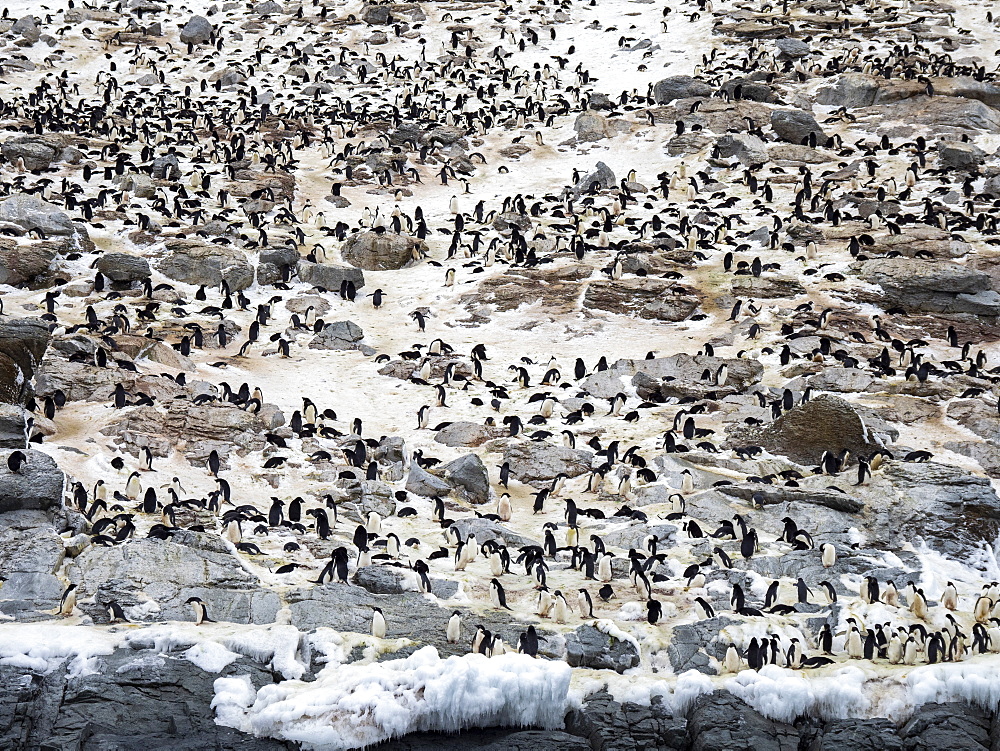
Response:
column 282, row 136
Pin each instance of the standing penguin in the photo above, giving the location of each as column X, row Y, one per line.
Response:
column 828, row 553
column 497, row 595
column 68, row 601
column 200, row 611
column 378, row 623
column 454, row 631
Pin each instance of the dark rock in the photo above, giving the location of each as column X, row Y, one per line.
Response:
column 329, row 276
column 959, row 155
column 857, row 735
column 379, row 252
column 124, row 267
column 794, row 126
column 680, row 87
column 825, row 423
column 37, row 485
column 720, row 721
column 339, row 335
column 951, row 725
column 197, row 30
column 589, row 647
column 469, row 473
column 539, row 461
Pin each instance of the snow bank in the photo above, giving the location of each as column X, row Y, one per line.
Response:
column 348, row 706
column 782, row 694
column 44, row 647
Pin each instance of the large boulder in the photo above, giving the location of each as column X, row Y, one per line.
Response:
column 29, row 212
column 960, row 155
column 13, row 426
column 375, row 251
column 22, row 345
column 685, row 375
column 679, row 87
column 25, row 264
column 590, row 126
column 469, row 473
column 537, row 461
column 850, row 90
column 589, row 647
column 206, row 265
column 197, row 30
column 33, row 154
column 329, row 276
column 749, row 149
column 168, row 572
column 338, row 335
column 657, row 299
column 601, row 178
column 825, row 423
column 38, row 484
column 124, row 267
column 943, row 114
column 794, row 126
column 933, row 286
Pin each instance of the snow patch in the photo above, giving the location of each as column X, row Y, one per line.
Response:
column 346, row 708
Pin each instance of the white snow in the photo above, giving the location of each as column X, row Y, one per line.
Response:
column 347, row 707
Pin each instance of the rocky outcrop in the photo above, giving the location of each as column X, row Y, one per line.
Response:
column 375, row 251
column 206, row 265
column 936, row 286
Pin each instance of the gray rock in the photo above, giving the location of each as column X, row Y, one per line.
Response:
column 29, row 544
column 124, row 267
column 329, row 276
column 947, row 725
column 850, row 90
column 467, row 434
column 825, row 423
column 24, row 596
column 170, row 571
column 487, row 529
column 35, row 156
column 745, row 147
column 338, row 336
column 208, row 265
column 267, row 8
column 794, row 126
column 612, row 726
column 681, row 375
column 857, row 735
column 469, row 473
column 29, row 212
column 719, row 721
column 166, row 167
column 535, row 461
column 591, row 648
column 792, row 48
column 13, row 426
column 960, row 155
column 37, row 485
column 423, row 483
column 602, row 178
column 197, row 30
column 590, row 126
column 680, row 87
column 934, row 286
column 393, row 580
column 380, row 252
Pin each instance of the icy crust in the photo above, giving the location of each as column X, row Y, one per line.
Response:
column 347, row 707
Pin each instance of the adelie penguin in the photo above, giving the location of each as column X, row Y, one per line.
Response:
column 200, row 611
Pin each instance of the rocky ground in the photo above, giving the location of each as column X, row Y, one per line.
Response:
column 309, row 310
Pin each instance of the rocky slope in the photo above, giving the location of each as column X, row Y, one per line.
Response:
column 316, row 311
